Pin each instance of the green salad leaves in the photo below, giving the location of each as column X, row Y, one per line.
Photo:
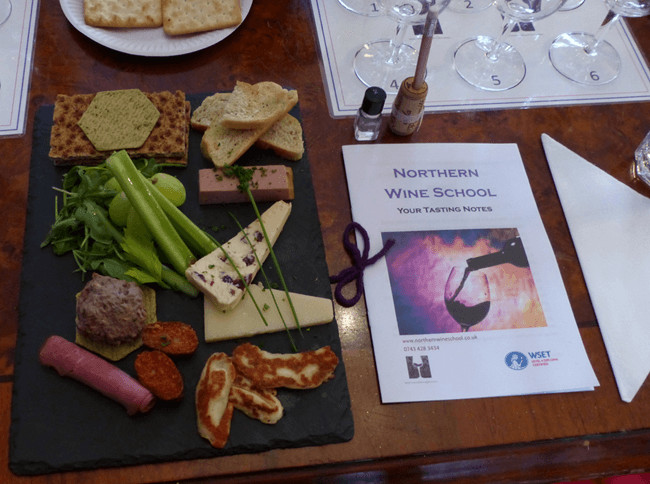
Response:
column 82, row 226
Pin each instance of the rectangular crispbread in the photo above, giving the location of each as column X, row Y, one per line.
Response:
column 180, row 17
column 123, row 13
column 168, row 139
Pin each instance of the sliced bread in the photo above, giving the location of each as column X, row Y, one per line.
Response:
column 224, row 146
column 252, row 106
column 209, row 109
column 284, row 138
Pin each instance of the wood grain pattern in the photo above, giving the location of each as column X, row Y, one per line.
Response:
column 541, row 438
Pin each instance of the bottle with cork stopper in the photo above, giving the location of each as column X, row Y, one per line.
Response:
column 367, row 122
column 408, row 106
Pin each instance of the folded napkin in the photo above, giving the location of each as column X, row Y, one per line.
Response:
column 610, row 227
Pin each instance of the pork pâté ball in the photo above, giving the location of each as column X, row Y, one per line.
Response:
column 110, row 310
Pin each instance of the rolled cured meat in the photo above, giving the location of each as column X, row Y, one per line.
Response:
column 72, row 361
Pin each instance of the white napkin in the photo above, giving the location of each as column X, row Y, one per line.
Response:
column 610, row 227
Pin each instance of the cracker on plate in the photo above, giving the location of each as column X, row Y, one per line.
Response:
column 123, row 13
column 190, row 16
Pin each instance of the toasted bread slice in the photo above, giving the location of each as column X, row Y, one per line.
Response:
column 210, row 108
column 252, row 106
column 224, row 146
column 284, row 138
column 213, row 408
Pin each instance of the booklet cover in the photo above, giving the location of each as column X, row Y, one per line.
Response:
column 469, row 301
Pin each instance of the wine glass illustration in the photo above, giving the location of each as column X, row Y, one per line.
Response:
column 589, row 59
column 467, row 296
column 492, row 64
column 385, row 63
column 368, row 8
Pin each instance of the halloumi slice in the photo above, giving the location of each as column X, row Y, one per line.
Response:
column 213, row 407
column 308, row 369
column 258, row 403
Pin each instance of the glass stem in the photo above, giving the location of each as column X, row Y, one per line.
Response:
column 396, row 43
column 493, row 53
column 600, row 34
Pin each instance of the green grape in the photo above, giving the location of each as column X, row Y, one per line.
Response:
column 112, row 184
column 171, row 187
column 118, row 209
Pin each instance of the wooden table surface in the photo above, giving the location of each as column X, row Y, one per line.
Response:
column 531, row 438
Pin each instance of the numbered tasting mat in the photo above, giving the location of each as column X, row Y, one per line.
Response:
column 341, row 33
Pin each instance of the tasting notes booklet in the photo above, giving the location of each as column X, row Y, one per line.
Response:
column 468, row 301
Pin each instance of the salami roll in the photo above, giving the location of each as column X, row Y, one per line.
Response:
column 72, row 361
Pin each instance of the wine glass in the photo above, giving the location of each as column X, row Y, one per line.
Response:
column 386, row 63
column 588, row 58
column 492, row 64
column 5, row 10
column 467, row 296
column 362, row 7
column 570, row 5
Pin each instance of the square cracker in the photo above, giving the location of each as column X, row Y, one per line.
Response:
column 168, row 139
column 190, row 16
column 123, row 13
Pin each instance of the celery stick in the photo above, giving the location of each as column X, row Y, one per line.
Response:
column 178, row 282
column 195, row 238
column 154, row 218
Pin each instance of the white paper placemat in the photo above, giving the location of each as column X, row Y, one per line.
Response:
column 341, row 34
column 17, row 37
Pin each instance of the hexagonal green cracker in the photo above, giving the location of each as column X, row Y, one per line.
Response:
column 119, row 119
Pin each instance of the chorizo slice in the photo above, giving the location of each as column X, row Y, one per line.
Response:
column 158, row 373
column 171, row 337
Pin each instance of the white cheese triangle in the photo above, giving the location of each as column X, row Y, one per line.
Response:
column 214, row 274
column 244, row 320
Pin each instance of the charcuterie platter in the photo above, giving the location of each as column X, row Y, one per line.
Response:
column 59, row 424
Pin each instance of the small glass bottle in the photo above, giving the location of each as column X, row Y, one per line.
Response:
column 368, row 120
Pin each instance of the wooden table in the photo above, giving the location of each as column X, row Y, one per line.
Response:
column 534, row 438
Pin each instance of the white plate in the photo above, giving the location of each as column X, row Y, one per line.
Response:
column 147, row 42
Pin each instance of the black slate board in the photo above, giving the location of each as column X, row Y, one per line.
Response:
column 59, row 424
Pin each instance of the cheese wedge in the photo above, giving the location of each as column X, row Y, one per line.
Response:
column 244, row 320
column 215, row 276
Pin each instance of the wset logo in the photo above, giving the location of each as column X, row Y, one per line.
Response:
column 418, row 369
column 516, row 360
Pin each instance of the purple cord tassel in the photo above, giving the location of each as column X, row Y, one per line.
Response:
column 360, row 262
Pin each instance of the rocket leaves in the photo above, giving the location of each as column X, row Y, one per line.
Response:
column 83, row 228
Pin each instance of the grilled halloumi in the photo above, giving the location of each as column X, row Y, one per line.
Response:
column 304, row 370
column 258, row 403
column 213, row 408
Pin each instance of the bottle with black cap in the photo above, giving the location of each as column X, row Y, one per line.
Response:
column 368, row 120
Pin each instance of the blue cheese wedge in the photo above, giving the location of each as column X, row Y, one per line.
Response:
column 215, row 276
column 244, row 320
